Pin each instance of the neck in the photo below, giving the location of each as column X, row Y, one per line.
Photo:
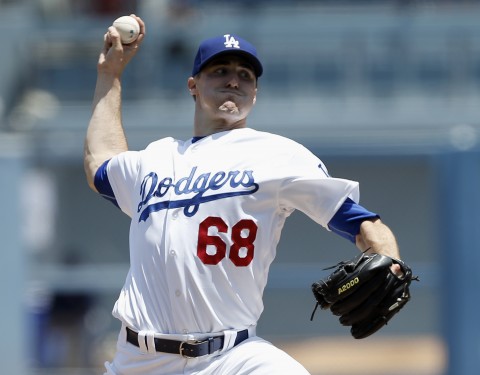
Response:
column 207, row 126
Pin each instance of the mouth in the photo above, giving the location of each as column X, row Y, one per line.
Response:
column 229, row 107
column 231, row 93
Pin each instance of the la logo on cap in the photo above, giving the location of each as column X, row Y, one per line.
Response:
column 231, row 42
column 226, row 44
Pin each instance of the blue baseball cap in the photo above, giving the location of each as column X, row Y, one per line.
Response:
column 226, row 44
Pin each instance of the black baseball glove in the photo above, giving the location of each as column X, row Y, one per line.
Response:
column 364, row 292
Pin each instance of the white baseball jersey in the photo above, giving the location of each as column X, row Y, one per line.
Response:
column 206, row 220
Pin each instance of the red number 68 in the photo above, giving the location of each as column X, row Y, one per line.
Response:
column 242, row 249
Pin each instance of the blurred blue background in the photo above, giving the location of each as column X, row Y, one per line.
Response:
column 384, row 92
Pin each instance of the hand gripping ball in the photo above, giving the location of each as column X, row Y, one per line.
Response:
column 128, row 28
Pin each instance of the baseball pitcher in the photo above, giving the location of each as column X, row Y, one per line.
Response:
column 206, row 217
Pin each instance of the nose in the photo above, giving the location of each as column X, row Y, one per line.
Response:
column 233, row 81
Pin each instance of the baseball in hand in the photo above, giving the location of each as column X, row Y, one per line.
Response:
column 128, row 28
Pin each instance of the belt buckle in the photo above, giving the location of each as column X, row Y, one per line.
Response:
column 190, row 342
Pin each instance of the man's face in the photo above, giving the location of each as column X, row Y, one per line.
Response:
column 226, row 87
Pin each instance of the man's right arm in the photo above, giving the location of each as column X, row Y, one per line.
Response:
column 105, row 136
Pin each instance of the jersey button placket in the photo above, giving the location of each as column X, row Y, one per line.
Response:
column 173, row 256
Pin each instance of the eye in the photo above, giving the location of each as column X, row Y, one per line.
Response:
column 220, row 70
column 247, row 74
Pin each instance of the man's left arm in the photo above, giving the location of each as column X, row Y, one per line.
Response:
column 376, row 237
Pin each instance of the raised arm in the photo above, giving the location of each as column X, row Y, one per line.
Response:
column 105, row 136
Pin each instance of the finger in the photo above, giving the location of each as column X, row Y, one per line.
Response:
column 107, row 41
column 396, row 269
column 141, row 23
column 107, row 44
column 142, row 33
column 114, row 37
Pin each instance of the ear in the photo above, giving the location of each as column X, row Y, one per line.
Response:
column 255, row 97
column 192, row 86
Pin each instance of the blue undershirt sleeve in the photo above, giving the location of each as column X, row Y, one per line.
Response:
column 102, row 184
column 346, row 221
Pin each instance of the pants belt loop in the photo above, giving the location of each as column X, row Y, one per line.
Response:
column 151, row 343
column 229, row 340
column 211, row 348
column 142, row 343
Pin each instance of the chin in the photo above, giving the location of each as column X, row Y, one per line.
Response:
column 231, row 119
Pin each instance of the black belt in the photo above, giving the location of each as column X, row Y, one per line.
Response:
column 188, row 349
